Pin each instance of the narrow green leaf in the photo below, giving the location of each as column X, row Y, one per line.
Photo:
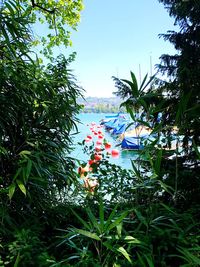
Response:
column 119, row 229
column 87, row 226
column 150, row 80
column 11, row 190
column 93, row 219
column 189, row 256
column 141, row 261
column 17, row 260
column 28, row 168
column 141, row 217
column 149, row 260
column 143, row 82
column 87, row 234
column 134, row 81
column 157, row 164
column 25, row 152
column 101, row 213
column 132, row 240
column 21, row 186
column 124, row 253
column 111, row 216
column 117, row 221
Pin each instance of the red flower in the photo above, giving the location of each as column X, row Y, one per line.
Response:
column 97, row 157
column 115, row 153
column 107, row 145
column 91, row 161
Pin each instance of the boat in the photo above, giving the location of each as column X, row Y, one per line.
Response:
column 133, row 142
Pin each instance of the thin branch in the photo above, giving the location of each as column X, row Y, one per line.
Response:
column 43, row 8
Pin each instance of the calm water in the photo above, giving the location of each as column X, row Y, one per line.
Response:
column 86, row 118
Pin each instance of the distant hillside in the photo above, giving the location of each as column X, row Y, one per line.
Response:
column 100, row 105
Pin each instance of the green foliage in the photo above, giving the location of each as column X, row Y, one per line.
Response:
column 38, row 113
column 55, row 15
column 148, row 216
column 103, row 236
column 183, row 70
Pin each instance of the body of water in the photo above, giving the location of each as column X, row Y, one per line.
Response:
column 86, row 119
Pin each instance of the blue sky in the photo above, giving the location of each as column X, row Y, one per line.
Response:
column 116, row 36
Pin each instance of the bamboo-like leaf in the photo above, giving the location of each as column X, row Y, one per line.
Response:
column 101, row 213
column 158, row 160
column 142, row 263
column 87, row 226
column 196, row 149
column 21, row 186
column 136, row 171
column 149, row 260
column 117, row 221
column 93, row 219
column 141, row 217
column 124, row 253
column 143, row 82
column 132, row 240
column 191, row 258
column 111, row 216
column 11, row 190
column 16, row 264
column 167, row 188
column 150, row 80
column 28, row 168
column 25, row 152
column 87, row 234
column 133, row 87
column 119, row 229
column 134, row 81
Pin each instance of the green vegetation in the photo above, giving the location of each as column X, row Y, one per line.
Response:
column 148, row 216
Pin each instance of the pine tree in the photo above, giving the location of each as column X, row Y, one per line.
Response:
column 183, row 70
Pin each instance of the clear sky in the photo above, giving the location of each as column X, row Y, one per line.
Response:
column 116, row 36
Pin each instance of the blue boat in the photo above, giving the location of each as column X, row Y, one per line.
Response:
column 120, row 129
column 133, row 142
column 112, row 124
